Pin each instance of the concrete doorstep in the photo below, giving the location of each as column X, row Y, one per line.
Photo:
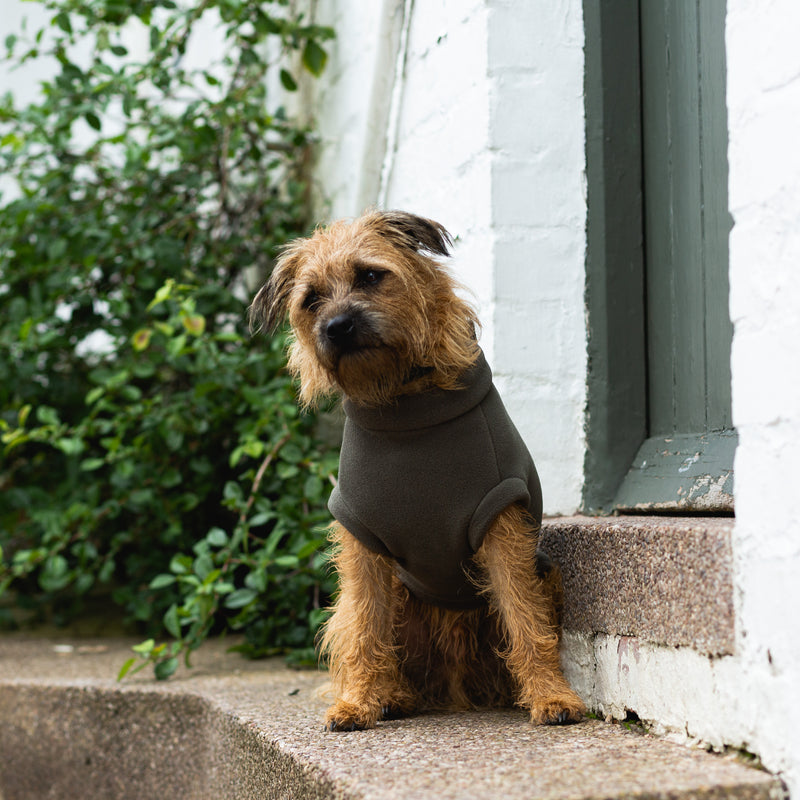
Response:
column 233, row 728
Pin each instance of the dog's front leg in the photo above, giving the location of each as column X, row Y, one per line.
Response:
column 359, row 637
column 520, row 598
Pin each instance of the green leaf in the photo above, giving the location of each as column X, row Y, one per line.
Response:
column 107, row 571
column 119, row 50
column 144, row 648
column 217, row 537
column 93, row 120
column 195, row 324
column 13, row 439
column 313, row 487
column 292, row 453
column 203, row 565
column 164, row 328
column 254, row 449
column 94, row 395
column 83, row 582
column 171, row 621
column 22, row 415
column 47, row 415
column 126, row 668
column 257, row 580
column 63, row 22
column 236, row 456
column 170, row 478
column 286, row 471
column 164, row 293
column 173, row 438
column 176, row 346
column 141, row 339
column 287, row 81
column 163, row 669
column 55, row 574
column 91, row 464
column 262, row 518
column 240, row 598
column 70, row 446
column 162, row 581
column 180, row 564
column 314, row 58
column 309, row 548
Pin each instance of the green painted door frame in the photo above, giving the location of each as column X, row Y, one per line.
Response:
column 659, row 426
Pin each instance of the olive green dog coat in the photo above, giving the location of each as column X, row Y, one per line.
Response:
column 423, row 479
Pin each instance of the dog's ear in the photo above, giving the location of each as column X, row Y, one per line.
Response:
column 416, row 233
column 270, row 305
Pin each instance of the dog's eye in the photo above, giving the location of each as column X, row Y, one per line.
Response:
column 311, row 300
column 366, row 278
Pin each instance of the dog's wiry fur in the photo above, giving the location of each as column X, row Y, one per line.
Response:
column 419, row 321
column 407, row 331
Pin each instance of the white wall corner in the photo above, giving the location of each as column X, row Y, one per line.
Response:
column 763, row 95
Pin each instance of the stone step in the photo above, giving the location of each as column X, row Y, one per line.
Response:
column 666, row 580
column 231, row 728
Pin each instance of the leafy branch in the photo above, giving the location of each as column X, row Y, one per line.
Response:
column 153, row 457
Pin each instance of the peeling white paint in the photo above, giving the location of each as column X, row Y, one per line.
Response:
column 708, row 493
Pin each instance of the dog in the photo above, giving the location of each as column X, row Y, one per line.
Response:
column 443, row 601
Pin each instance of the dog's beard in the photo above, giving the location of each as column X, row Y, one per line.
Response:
column 370, row 375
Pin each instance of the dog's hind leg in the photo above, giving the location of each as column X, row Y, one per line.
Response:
column 359, row 639
column 524, row 604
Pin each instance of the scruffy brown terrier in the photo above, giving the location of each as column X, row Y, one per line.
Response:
column 443, row 602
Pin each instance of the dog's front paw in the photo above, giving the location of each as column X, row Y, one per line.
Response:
column 560, row 709
column 344, row 716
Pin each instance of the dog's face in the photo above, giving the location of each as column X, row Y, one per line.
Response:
column 373, row 315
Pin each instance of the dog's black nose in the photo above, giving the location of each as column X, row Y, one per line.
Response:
column 340, row 330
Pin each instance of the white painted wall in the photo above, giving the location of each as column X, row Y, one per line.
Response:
column 489, row 142
column 538, row 208
column 764, row 114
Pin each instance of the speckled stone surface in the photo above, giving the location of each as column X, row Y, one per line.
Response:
column 232, row 728
column 664, row 580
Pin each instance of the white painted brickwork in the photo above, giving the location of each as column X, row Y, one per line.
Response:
column 764, row 119
column 490, row 142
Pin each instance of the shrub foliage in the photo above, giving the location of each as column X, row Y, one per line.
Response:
column 152, row 452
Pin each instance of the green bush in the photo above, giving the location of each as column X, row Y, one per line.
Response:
column 152, row 451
